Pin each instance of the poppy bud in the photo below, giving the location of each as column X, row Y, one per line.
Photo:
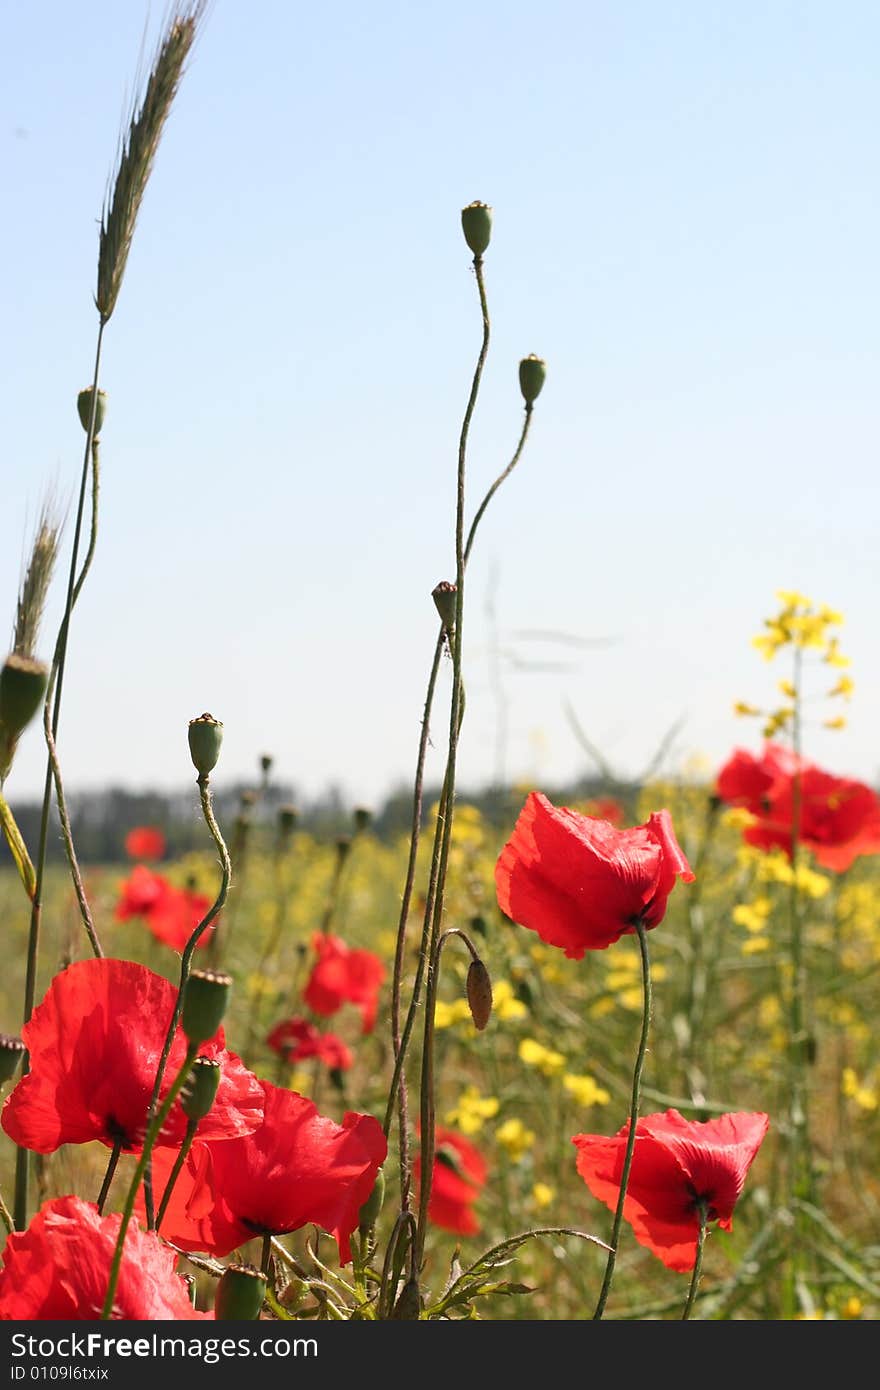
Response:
column 479, row 993
column 287, row 819
column 444, row 600
column 205, row 737
column 532, row 371
column 266, row 764
column 409, row 1304
column 22, row 686
column 205, row 999
column 369, row 1212
column 240, row 1293
column 11, row 1052
column 84, row 409
column 362, row 819
column 476, row 223
column 200, row 1088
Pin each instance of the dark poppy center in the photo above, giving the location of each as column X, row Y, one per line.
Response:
column 117, row 1133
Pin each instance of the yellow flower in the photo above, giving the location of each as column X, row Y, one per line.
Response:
column 472, row 1110
column 754, row 945
column 543, row 1195
column 585, row 1090
column 631, row 998
column 768, row 643
column 792, row 599
column 505, row 1005
column 838, row 723
column 741, row 707
column 753, row 916
column 852, row 1308
column 447, row 1015
column 864, row 1096
column 534, row 1054
column 833, row 655
column 515, row 1138
column 737, row 817
column 845, row 687
column 832, row 616
column 788, row 690
column 813, row 884
column 808, row 630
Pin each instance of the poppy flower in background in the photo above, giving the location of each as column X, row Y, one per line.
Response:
column 340, row 976
column 295, row 1039
column 459, row 1177
column 299, row 1168
column 60, row 1266
column 677, row 1164
column 145, row 842
column 172, row 914
column 607, row 808
column 838, row 818
column 580, row 883
column 94, row 1045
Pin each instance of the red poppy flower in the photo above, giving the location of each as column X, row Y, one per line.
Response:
column 341, row 975
column 677, row 1164
column 459, row 1176
column 172, row 914
column 296, row 1040
column 581, row 884
column 298, row 1168
column 94, row 1045
column 59, row 1268
column 607, row 808
column 745, row 780
column 145, row 842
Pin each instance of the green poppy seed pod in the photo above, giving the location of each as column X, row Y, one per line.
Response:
column 84, row 409
column 205, row 1000
column 532, row 371
column 200, row 1088
column 11, row 1052
column 479, row 993
column 22, row 687
column 239, row 1294
column 369, row 1212
column 476, row 223
column 205, row 738
column 443, row 595
column 266, row 764
column 409, row 1304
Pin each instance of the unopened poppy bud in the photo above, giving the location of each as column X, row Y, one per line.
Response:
column 266, row 764
column 369, row 1212
column 532, row 371
column 200, row 1089
column 409, row 1304
column 476, row 223
column 479, row 993
column 444, row 601
column 205, row 999
column 240, row 1293
column 22, row 687
column 287, row 819
column 205, row 737
column 362, row 819
column 84, row 409
column 11, row 1052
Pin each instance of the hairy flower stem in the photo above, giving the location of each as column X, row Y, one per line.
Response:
column 56, row 683
column 698, row 1263
column 647, row 1006
column 701, row 962
column 191, row 1127
column 204, row 785
column 153, row 1132
column 108, row 1176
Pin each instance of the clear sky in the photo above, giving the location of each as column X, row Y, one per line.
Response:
column 686, row 224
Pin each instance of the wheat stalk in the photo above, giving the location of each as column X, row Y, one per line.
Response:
column 35, row 584
column 138, row 149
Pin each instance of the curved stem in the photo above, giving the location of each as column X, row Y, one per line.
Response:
column 505, row 473
column 191, row 1127
column 633, row 1119
column 204, row 785
column 108, row 1176
column 149, row 1140
column 67, row 836
column 698, row 1264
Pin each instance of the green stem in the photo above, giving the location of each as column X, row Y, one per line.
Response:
column 151, row 1136
column 204, row 785
column 6, row 1217
column 191, row 1127
column 266, row 1255
column 633, row 1119
column 108, row 1176
column 698, row 1263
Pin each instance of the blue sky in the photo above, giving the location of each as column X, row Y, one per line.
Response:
column 686, row 228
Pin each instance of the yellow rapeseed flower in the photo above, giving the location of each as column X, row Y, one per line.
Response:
column 865, row 1097
column 447, row 1015
column 791, row 598
column 543, row 1195
column 753, row 916
column 834, row 656
column 743, row 708
column 787, row 689
column 845, row 687
column 534, row 1054
column 838, row 723
column 852, row 1308
column 472, row 1110
column 585, row 1090
column 505, row 1005
column 754, row 945
column 515, row 1138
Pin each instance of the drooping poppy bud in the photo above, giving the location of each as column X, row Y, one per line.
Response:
column 444, row 600
column 205, row 1000
column 200, row 1088
column 532, row 371
column 476, row 223
column 409, row 1304
column 22, row 686
column 240, row 1293
column 479, row 993
column 205, row 738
